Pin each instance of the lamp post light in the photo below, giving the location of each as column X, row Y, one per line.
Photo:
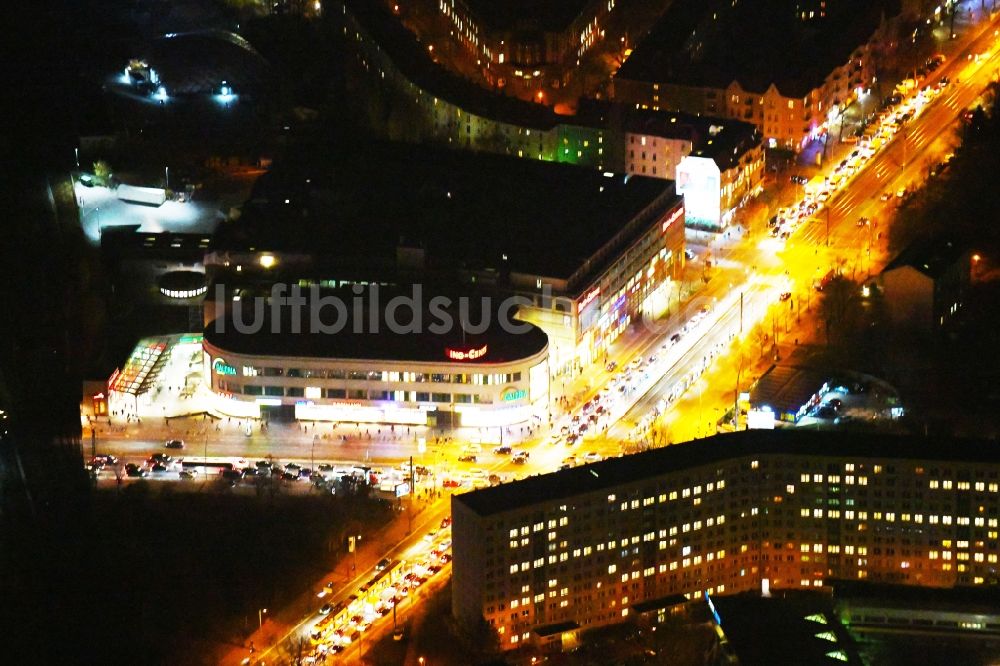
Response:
column 261, row 612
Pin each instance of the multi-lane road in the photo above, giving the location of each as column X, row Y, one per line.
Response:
column 754, row 272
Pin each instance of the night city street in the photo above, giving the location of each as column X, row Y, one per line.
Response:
column 501, row 332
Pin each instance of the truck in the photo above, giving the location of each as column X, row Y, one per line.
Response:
column 147, row 196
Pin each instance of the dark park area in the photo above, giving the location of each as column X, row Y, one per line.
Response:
column 168, row 577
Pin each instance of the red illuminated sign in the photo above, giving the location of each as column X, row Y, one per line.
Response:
column 114, row 376
column 465, row 354
column 673, row 218
column 589, row 298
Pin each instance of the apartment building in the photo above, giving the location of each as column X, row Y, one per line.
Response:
column 787, row 73
column 752, row 510
column 441, row 108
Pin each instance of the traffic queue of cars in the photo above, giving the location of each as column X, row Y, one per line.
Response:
column 339, row 625
column 897, row 112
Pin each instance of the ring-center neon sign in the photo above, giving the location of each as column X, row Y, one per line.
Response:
column 465, row 354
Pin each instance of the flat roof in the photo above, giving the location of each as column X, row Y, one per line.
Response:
column 469, row 211
column 930, row 256
column 557, row 628
column 516, row 15
column 785, row 388
column 791, row 627
column 756, row 43
column 615, row 472
column 668, row 601
column 722, row 139
column 494, row 345
column 860, row 594
column 198, row 62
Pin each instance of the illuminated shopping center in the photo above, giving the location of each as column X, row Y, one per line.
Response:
column 546, row 557
column 493, row 378
column 589, row 251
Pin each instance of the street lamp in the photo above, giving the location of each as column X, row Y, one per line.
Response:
column 261, row 612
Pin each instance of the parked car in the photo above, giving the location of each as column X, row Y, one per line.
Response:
column 467, row 457
column 174, row 444
column 185, row 474
column 382, row 564
column 502, row 450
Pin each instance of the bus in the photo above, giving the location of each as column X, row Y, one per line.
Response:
column 207, row 465
column 371, row 592
column 336, row 619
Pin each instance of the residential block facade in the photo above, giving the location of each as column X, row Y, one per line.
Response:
column 744, row 511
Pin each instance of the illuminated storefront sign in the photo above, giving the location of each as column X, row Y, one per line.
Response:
column 465, row 354
column 512, row 394
column 676, row 215
column 220, row 367
column 590, row 297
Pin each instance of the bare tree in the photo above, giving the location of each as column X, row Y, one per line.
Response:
column 840, row 307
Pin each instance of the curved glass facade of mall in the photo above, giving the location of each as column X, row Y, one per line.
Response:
column 495, row 379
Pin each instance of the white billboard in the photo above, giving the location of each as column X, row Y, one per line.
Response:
column 700, row 181
column 760, row 419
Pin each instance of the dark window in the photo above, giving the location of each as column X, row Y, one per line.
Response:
column 441, row 397
column 295, row 392
column 337, row 394
column 274, row 390
column 253, row 390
